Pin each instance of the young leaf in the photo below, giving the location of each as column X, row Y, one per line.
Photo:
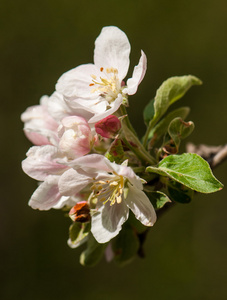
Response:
column 78, row 233
column 179, row 193
column 93, row 254
column 178, row 130
column 148, row 112
column 158, row 199
column 172, row 90
column 169, row 92
column 190, row 170
column 161, row 128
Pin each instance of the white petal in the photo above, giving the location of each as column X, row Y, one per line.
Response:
column 112, row 49
column 141, row 206
column 92, row 161
column 66, row 201
column 41, row 162
column 72, row 182
column 59, row 108
column 91, row 106
column 76, row 82
column 128, row 173
column 102, row 114
column 107, row 222
column 46, row 195
column 137, row 76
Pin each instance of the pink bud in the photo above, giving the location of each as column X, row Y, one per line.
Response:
column 75, row 136
column 108, row 127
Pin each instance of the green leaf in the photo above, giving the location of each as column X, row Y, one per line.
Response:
column 93, row 254
column 179, row 193
column 125, row 245
column 161, row 128
column 178, row 130
column 158, row 199
column 78, row 233
column 190, row 170
column 172, row 90
column 148, row 112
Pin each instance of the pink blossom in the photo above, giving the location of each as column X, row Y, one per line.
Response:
column 40, row 128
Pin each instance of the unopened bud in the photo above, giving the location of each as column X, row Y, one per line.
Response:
column 108, row 127
column 80, row 212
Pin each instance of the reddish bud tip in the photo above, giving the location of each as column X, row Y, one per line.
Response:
column 80, row 212
column 108, row 127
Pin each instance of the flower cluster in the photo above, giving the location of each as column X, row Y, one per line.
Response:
column 90, row 162
column 72, row 131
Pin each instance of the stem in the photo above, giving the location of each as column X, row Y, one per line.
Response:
column 131, row 140
column 150, row 126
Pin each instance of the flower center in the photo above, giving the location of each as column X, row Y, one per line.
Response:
column 108, row 86
column 109, row 190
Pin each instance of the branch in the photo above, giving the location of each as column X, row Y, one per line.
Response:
column 214, row 155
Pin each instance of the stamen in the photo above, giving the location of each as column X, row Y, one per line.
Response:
column 119, row 199
column 114, row 183
column 108, row 87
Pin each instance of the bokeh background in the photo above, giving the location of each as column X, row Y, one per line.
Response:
column 186, row 250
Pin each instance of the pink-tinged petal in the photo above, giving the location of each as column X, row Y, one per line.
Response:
column 141, row 206
column 72, row 182
column 103, row 114
column 36, row 138
column 40, row 128
column 108, row 221
column 77, row 82
column 42, row 161
column 75, row 137
column 46, row 195
column 40, row 136
column 112, row 49
column 137, row 76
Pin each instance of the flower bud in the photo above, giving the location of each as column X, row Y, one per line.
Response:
column 108, row 127
column 75, row 137
column 80, row 212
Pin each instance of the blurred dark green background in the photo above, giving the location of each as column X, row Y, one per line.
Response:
column 186, row 250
